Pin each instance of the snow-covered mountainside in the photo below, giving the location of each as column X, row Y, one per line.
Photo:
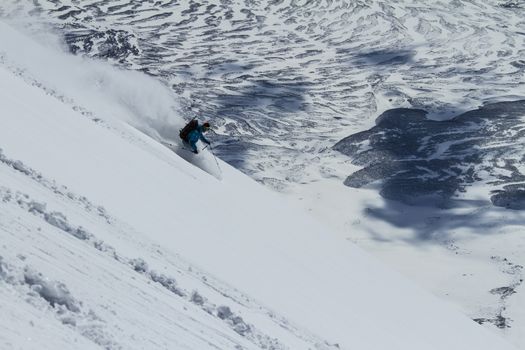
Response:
column 287, row 79
column 112, row 241
column 416, row 107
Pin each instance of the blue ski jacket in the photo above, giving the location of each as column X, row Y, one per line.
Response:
column 196, row 135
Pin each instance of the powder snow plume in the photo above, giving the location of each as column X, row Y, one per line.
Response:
column 106, row 91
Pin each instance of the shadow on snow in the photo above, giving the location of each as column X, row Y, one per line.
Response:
column 429, row 164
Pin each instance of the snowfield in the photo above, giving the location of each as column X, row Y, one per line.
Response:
column 109, row 240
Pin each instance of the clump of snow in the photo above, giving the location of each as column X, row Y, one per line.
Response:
column 223, row 312
column 68, row 320
column 103, row 247
column 37, row 207
column 7, row 195
column 18, row 165
column 139, row 265
column 167, row 282
column 81, row 233
column 6, row 273
column 59, row 220
column 238, row 324
column 196, row 298
column 54, row 292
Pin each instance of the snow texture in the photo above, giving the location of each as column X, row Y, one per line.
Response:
column 282, row 82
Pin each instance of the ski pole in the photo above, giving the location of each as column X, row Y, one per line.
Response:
column 216, row 161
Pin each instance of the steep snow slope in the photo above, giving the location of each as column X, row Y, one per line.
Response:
column 110, row 239
column 285, row 80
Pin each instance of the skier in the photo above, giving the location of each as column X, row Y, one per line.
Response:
column 194, row 132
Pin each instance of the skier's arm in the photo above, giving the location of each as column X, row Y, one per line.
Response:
column 205, row 140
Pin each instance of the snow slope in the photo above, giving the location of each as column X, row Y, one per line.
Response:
column 285, row 80
column 110, row 240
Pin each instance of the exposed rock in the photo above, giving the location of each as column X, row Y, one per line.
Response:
column 420, row 161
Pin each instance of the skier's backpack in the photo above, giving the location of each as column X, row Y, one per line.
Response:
column 185, row 131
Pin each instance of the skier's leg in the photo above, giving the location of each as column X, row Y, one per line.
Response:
column 193, row 146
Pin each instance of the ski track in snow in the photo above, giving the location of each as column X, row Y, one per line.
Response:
column 205, row 295
column 24, row 281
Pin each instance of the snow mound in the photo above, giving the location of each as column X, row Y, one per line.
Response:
column 54, row 292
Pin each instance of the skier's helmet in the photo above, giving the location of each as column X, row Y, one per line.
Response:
column 206, row 126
